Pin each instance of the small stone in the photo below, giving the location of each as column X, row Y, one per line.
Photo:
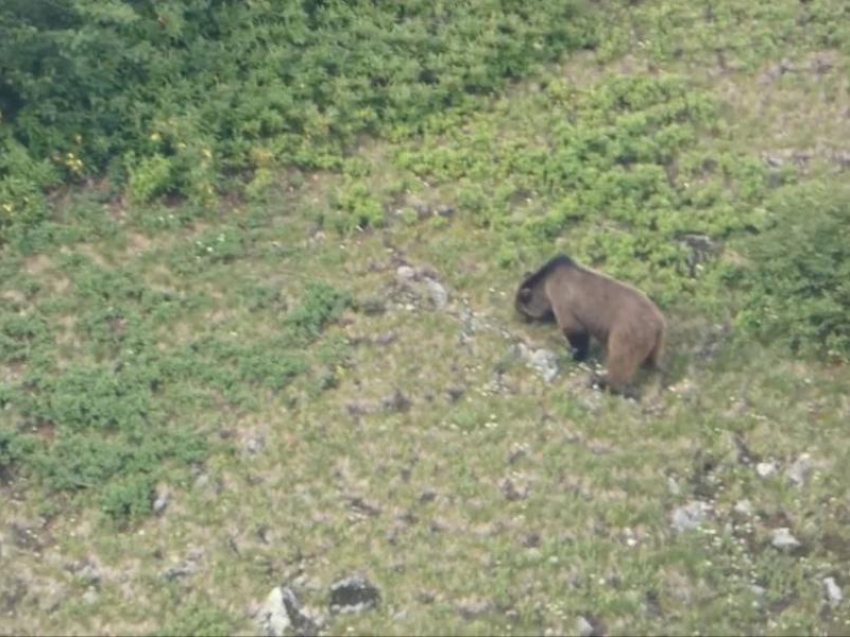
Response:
column 800, row 469
column 396, row 401
column 405, row 273
column 359, row 407
column 372, row 305
column 782, row 539
column 584, row 628
column 90, row 596
column 473, row 607
column 832, row 590
column 744, row 507
column 364, row 506
column 181, row 570
column 438, row 294
column 253, row 445
column 195, row 554
column 305, row 623
column 353, row 594
column 512, row 491
column 384, row 338
column 427, row 495
column 422, row 209
column 517, row 452
column 758, row 591
column 454, row 392
column 673, row 486
column 161, row 500
column 89, row 573
column 766, row 469
column 49, row 600
column 545, row 363
column 531, row 540
column 689, row 516
column 272, row 619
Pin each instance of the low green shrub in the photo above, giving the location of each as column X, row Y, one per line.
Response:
column 797, row 279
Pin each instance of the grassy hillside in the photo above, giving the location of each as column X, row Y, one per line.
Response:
column 286, row 352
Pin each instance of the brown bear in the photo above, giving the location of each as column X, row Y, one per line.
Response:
column 587, row 303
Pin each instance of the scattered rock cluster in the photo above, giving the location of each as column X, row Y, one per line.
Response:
column 282, row 614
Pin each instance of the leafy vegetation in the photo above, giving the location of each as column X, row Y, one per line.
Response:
column 104, row 410
column 147, row 91
column 256, row 262
column 797, row 283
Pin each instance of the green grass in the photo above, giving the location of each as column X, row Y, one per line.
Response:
column 241, row 357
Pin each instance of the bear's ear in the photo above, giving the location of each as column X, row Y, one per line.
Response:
column 525, row 295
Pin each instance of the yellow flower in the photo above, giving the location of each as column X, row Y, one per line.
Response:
column 155, row 137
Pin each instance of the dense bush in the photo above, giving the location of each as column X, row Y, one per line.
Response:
column 167, row 95
column 797, row 281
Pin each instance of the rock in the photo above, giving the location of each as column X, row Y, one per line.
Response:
column 202, row 481
column 517, row 452
column 473, row 607
column 304, row 622
column 766, row 469
column 396, row 401
column 842, row 158
column 832, row 590
column 821, row 64
column 758, row 591
column 427, row 495
column 13, row 590
column 800, row 469
column 782, row 539
column 744, row 507
column 90, row 596
column 384, row 338
column 353, row 594
column 422, row 209
column 364, row 506
column 89, row 573
column 359, row 407
column 673, row 486
column 372, row 305
column 545, row 363
column 24, row 535
column 161, row 500
column 512, row 492
column 454, row 392
column 272, row 619
column 584, row 628
column 689, row 516
column 188, row 567
column 51, row 597
column 699, row 242
column 405, row 273
column 438, row 294
column 253, row 444
column 531, row 540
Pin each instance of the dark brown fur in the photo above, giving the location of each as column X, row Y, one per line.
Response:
column 589, row 304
